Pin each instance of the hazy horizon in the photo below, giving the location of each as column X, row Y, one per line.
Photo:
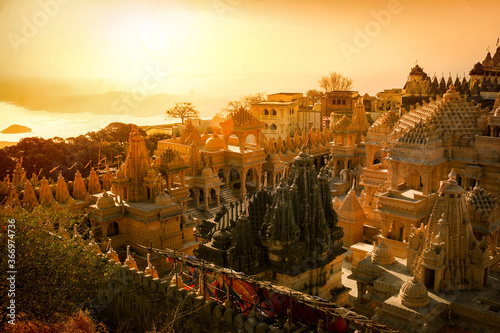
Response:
column 213, row 51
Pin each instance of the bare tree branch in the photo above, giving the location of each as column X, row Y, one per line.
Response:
column 335, row 81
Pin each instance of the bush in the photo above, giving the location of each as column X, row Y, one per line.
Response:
column 56, row 276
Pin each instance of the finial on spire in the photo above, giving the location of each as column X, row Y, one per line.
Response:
column 452, row 175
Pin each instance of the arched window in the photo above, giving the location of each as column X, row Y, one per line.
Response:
column 333, row 102
column 343, row 102
column 274, row 112
column 112, row 229
column 338, row 101
column 274, row 127
column 266, row 112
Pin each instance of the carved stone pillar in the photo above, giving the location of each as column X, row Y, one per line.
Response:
column 361, row 290
column 196, row 198
column 243, row 182
column 206, row 193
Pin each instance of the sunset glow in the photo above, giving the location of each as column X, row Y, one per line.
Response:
column 227, row 48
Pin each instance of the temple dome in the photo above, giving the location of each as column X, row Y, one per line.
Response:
column 221, row 239
column 451, row 93
column 207, row 173
column 214, row 143
column 382, row 254
column 150, row 173
column 163, row 199
column 120, row 173
column 105, row 201
column 274, row 158
column 451, row 185
column 413, row 293
column 336, row 203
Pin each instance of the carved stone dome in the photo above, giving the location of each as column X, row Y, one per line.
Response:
column 207, row 173
column 150, row 173
column 451, row 93
column 214, row 143
column 336, row 203
column 120, row 174
column 382, row 254
column 274, row 158
column 105, row 201
column 163, row 199
column 221, row 239
column 414, row 294
column 497, row 112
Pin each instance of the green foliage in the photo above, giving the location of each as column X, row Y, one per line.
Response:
column 7, row 162
column 152, row 141
column 38, row 153
column 244, row 102
column 314, row 95
column 48, row 157
column 115, row 132
column 55, row 275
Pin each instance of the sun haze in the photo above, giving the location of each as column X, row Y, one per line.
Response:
column 228, row 48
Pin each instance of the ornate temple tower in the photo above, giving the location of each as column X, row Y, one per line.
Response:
column 289, row 237
column 136, row 166
column 450, row 256
column 301, row 234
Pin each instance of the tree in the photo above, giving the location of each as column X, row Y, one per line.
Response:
column 314, row 95
column 244, row 102
column 182, row 110
column 56, row 276
column 152, row 141
column 115, row 132
column 335, row 81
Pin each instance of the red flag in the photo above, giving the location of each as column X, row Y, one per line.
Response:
column 306, row 142
column 169, row 260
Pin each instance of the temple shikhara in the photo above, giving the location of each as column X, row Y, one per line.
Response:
column 391, row 213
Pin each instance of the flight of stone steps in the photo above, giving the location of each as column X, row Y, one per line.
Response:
column 226, row 196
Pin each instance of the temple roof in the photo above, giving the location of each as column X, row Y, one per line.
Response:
column 241, row 120
column 481, row 201
column 351, row 204
column 191, row 135
column 417, row 70
column 448, row 117
column 341, row 125
column 385, row 123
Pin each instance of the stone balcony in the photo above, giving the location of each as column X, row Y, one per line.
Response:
column 407, row 203
column 247, row 158
column 374, row 176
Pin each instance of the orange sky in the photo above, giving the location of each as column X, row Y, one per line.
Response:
column 235, row 47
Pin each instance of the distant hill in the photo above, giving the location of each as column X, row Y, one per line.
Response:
column 54, row 98
column 6, row 144
column 16, row 129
